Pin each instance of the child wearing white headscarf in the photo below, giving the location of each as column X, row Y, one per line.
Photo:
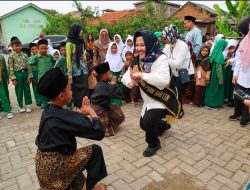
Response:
column 216, row 38
column 56, row 54
column 120, row 44
column 129, row 46
column 115, row 64
column 229, row 54
column 113, row 58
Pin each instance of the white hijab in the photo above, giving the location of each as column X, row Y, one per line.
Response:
column 231, row 42
column 128, row 48
column 53, row 51
column 120, row 44
column 115, row 61
column 216, row 38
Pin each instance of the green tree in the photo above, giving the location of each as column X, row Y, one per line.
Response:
column 86, row 14
column 51, row 12
column 59, row 24
column 151, row 19
column 236, row 10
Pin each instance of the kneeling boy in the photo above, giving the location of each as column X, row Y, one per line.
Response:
column 59, row 164
column 110, row 115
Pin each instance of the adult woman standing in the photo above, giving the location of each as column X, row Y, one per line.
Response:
column 179, row 58
column 150, row 70
column 76, row 65
column 90, row 46
column 101, row 47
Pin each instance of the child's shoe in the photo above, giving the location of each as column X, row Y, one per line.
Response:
column 39, row 106
column 21, row 110
column 10, row 115
column 28, row 109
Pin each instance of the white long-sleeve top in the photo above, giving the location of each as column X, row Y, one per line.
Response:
column 179, row 57
column 243, row 77
column 158, row 77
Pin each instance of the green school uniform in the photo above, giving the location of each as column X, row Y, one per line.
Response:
column 62, row 64
column 37, row 96
column 116, row 101
column 19, row 71
column 4, row 92
column 214, row 96
column 44, row 64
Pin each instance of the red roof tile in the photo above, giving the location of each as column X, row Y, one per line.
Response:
column 112, row 17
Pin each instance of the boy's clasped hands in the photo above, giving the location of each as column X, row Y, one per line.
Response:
column 86, row 108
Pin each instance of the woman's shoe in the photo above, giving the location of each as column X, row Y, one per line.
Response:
column 151, row 151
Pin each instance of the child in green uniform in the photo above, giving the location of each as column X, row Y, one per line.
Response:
column 61, row 63
column 4, row 92
column 20, row 75
column 44, row 62
column 34, row 52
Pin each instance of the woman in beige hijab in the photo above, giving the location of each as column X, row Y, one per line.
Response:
column 101, row 47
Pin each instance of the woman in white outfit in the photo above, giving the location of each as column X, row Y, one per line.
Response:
column 150, row 70
column 179, row 58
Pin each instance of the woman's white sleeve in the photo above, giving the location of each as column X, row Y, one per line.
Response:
column 126, row 79
column 237, row 63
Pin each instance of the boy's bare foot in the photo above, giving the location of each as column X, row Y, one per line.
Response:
column 100, row 186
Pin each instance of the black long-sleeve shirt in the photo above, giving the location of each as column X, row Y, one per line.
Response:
column 59, row 127
column 104, row 92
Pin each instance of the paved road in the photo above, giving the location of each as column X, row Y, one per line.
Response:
column 212, row 151
column 208, row 150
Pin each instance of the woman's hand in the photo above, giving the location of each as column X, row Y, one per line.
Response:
column 113, row 80
column 228, row 63
column 138, row 76
column 94, row 60
column 221, row 82
column 235, row 79
column 135, row 74
column 29, row 80
column 14, row 82
column 70, row 78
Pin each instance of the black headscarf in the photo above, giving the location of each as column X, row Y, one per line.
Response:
column 243, row 26
column 74, row 38
column 153, row 49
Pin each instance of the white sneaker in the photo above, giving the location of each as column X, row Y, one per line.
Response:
column 28, row 109
column 21, row 110
column 10, row 115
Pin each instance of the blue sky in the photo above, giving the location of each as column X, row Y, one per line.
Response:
column 66, row 6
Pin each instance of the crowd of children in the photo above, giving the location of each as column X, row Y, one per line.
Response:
column 213, row 67
column 22, row 70
column 217, row 68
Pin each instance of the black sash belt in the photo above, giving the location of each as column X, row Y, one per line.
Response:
column 167, row 96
